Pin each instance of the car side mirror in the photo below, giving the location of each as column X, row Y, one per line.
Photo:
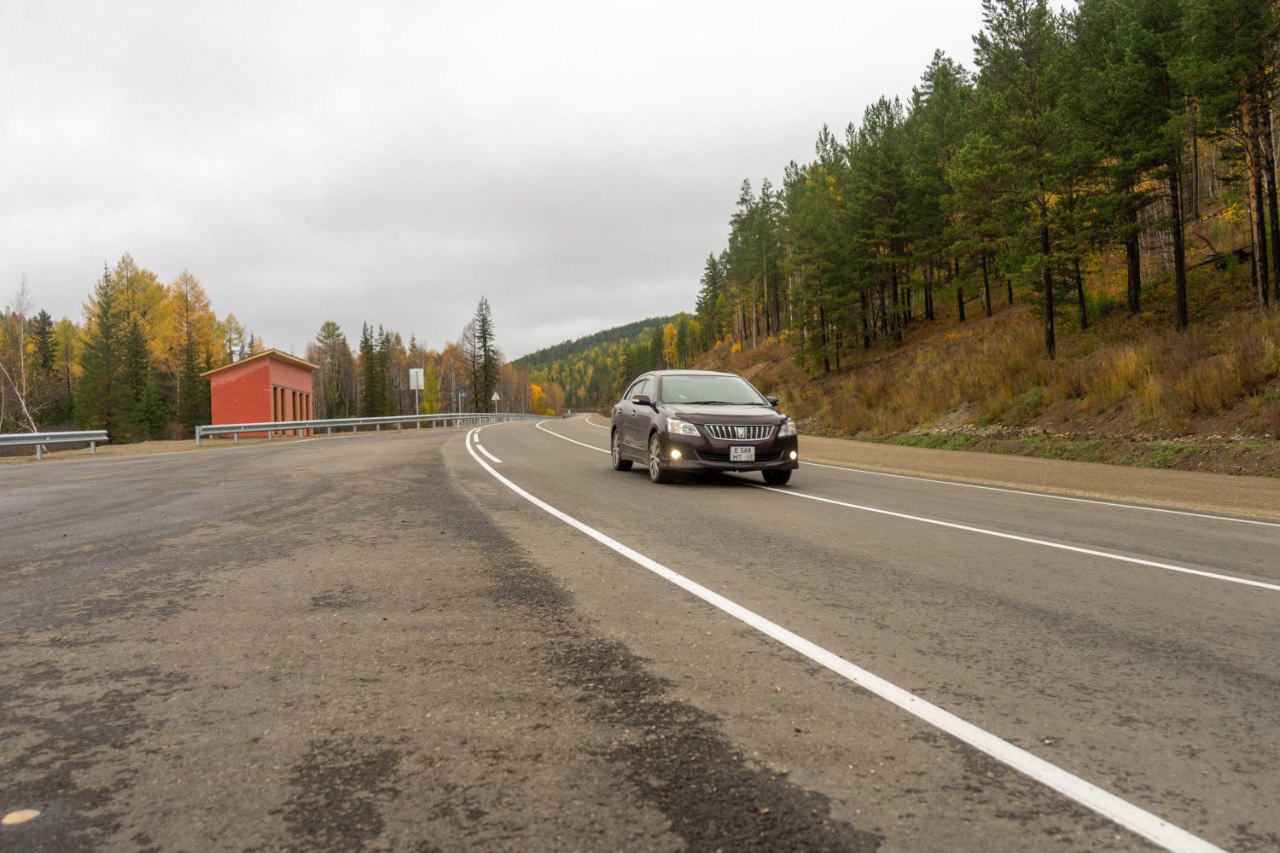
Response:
column 642, row 400
column 773, row 401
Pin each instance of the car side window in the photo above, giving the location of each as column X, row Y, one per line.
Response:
column 633, row 390
column 642, row 387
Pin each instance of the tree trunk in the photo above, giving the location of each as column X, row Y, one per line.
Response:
column 1179, row 247
column 986, row 284
column 1133, row 254
column 1194, row 145
column 866, row 321
column 1050, row 340
column 960, row 300
column 1084, row 308
column 1269, row 176
column 1253, row 165
column 928, row 292
column 822, row 326
column 896, row 321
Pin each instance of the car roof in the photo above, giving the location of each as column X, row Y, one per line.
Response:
column 688, row 373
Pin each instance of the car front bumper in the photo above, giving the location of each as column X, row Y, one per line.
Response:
column 706, row 454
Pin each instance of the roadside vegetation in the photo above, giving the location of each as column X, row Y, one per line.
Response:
column 133, row 365
column 1072, row 250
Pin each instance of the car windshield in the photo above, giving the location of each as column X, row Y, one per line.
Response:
column 710, row 390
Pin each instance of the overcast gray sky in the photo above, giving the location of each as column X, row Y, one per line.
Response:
column 391, row 162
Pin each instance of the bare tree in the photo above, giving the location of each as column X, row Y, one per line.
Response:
column 17, row 373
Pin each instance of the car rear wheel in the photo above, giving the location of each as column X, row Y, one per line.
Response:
column 657, row 473
column 776, row 478
column 615, row 452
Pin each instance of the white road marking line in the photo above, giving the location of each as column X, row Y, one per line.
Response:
column 1028, row 539
column 480, row 447
column 1013, row 536
column 1013, row 491
column 1144, row 823
column 566, row 438
column 587, row 418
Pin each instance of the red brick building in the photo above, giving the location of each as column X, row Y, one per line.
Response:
column 269, row 386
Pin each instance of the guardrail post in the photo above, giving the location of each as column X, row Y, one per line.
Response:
column 269, row 434
column 235, row 438
column 329, row 430
column 377, row 427
column 399, row 426
column 93, row 448
column 39, row 447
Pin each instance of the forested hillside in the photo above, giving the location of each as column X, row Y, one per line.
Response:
column 592, row 371
column 1105, row 174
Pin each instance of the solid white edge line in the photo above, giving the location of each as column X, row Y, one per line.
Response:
column 1012, row 491
column 1149, row 826
column 566, row 438
column 587, row 418
column 1076, row 549
column 1011, row 536
column 480, row 447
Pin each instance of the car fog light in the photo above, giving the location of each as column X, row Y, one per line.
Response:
column 675, row 454
column 793, row 454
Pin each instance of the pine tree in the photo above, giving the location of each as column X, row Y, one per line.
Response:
column 101, row 398
column 135, row 376
column 1019, row 95
column 151, row 414
column 487, row 365
column 371, row 384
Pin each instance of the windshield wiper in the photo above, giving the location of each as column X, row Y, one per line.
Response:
column 708, row 403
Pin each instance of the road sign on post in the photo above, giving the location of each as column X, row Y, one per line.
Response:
column 495, row 398
column 415, row 382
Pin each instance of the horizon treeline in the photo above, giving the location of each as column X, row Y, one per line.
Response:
column 132, row 367
column 373, row 379
column 1103, row 131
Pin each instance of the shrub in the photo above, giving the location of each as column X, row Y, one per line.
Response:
column 1210, row 385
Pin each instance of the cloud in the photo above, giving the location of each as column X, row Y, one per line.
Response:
column 575, row 162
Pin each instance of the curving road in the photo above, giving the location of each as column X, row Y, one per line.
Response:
column 490, row 639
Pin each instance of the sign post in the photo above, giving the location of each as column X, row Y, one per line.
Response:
column 495, row 398
column 461, row 394
column 415, row 382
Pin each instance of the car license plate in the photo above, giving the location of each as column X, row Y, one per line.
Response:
column 742, row 454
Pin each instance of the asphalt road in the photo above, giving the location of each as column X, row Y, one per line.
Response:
column 387, row 641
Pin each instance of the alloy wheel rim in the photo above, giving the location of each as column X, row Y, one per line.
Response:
column 614, row 450
column 653, row 457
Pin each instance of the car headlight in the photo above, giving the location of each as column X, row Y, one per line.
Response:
column 788, row 428
column 675, row 426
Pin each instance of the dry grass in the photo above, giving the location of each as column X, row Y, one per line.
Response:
column 1129, row 379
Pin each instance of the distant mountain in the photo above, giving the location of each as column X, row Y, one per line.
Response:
column 616, row 335
column 592, row 370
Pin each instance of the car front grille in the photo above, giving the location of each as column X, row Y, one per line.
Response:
column 740, row 432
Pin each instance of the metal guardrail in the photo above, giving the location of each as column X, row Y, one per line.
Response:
column 398, row 421
column 18, row 439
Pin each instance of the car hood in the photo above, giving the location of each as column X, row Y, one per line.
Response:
column 723, row 414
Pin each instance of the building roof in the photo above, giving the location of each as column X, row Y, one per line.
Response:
column 271, row 353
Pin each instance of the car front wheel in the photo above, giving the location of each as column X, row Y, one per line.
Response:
column 776, row 478
column 657, row 473
column 615, row 452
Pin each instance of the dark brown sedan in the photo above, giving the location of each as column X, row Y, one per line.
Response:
column 697, row 420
